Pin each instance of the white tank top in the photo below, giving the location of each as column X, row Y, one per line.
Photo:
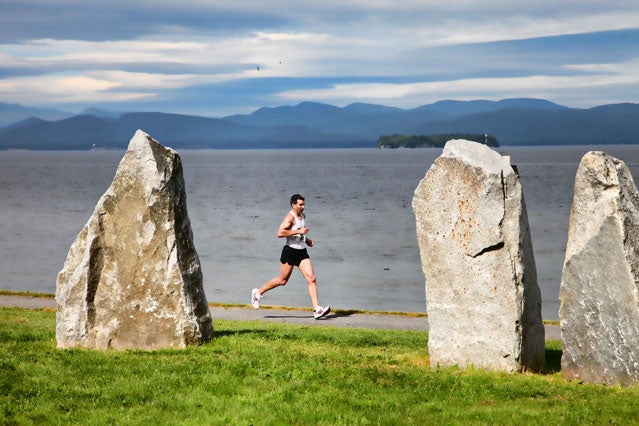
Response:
column 297, row 241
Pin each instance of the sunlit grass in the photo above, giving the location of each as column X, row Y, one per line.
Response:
column 269, row 373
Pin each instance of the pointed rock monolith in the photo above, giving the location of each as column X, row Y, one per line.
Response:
column 132, row 278
column 484, row 304
column 599, row 292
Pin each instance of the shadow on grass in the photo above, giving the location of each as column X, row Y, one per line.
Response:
column 346, row 312
column 553, row 360
column 224, row 333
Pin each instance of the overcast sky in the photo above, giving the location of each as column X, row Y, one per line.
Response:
column 202, row 56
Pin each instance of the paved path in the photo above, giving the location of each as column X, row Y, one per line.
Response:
column 293, row 316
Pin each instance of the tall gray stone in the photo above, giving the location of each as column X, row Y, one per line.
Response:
column 484, row 304
column 599, row 293
column 132, row 278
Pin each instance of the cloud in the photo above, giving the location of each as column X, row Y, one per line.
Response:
column 442, row 22
column 64, row 89
column 408, row 52
column 409, row 95
column 95, row 20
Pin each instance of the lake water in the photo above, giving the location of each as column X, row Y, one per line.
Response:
column 358, row 204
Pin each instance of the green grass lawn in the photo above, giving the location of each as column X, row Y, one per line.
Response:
column 267, row 373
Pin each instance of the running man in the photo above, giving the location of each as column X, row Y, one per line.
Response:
column 294, row 253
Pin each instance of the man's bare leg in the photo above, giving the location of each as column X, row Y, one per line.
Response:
column 306, row 267
column 281, row 279
column 285, row 273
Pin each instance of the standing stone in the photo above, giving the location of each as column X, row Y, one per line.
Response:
column 484, row 304
column 599, row 293
column 132, row 278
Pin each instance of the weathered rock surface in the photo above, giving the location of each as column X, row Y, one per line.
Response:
column 599, row 300
column 484, row 304
column 132, row 278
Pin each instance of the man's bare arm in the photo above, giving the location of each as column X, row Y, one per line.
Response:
column 285, row 229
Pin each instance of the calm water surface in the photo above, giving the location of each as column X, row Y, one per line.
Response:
column 358, row 204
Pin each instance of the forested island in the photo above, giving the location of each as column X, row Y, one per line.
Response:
column 432, row 141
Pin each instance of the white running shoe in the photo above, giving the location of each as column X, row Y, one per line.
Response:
column 255, row 298
column 320, row 312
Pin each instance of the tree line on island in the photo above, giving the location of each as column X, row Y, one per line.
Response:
column 432, row 141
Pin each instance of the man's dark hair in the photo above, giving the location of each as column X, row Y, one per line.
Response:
column 296, row 197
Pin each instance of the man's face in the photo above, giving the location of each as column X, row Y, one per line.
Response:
column 298, row 207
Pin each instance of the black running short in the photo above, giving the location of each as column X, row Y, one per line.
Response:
column 293, row 256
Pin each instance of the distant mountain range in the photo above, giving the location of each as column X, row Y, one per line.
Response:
column 520, row 121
